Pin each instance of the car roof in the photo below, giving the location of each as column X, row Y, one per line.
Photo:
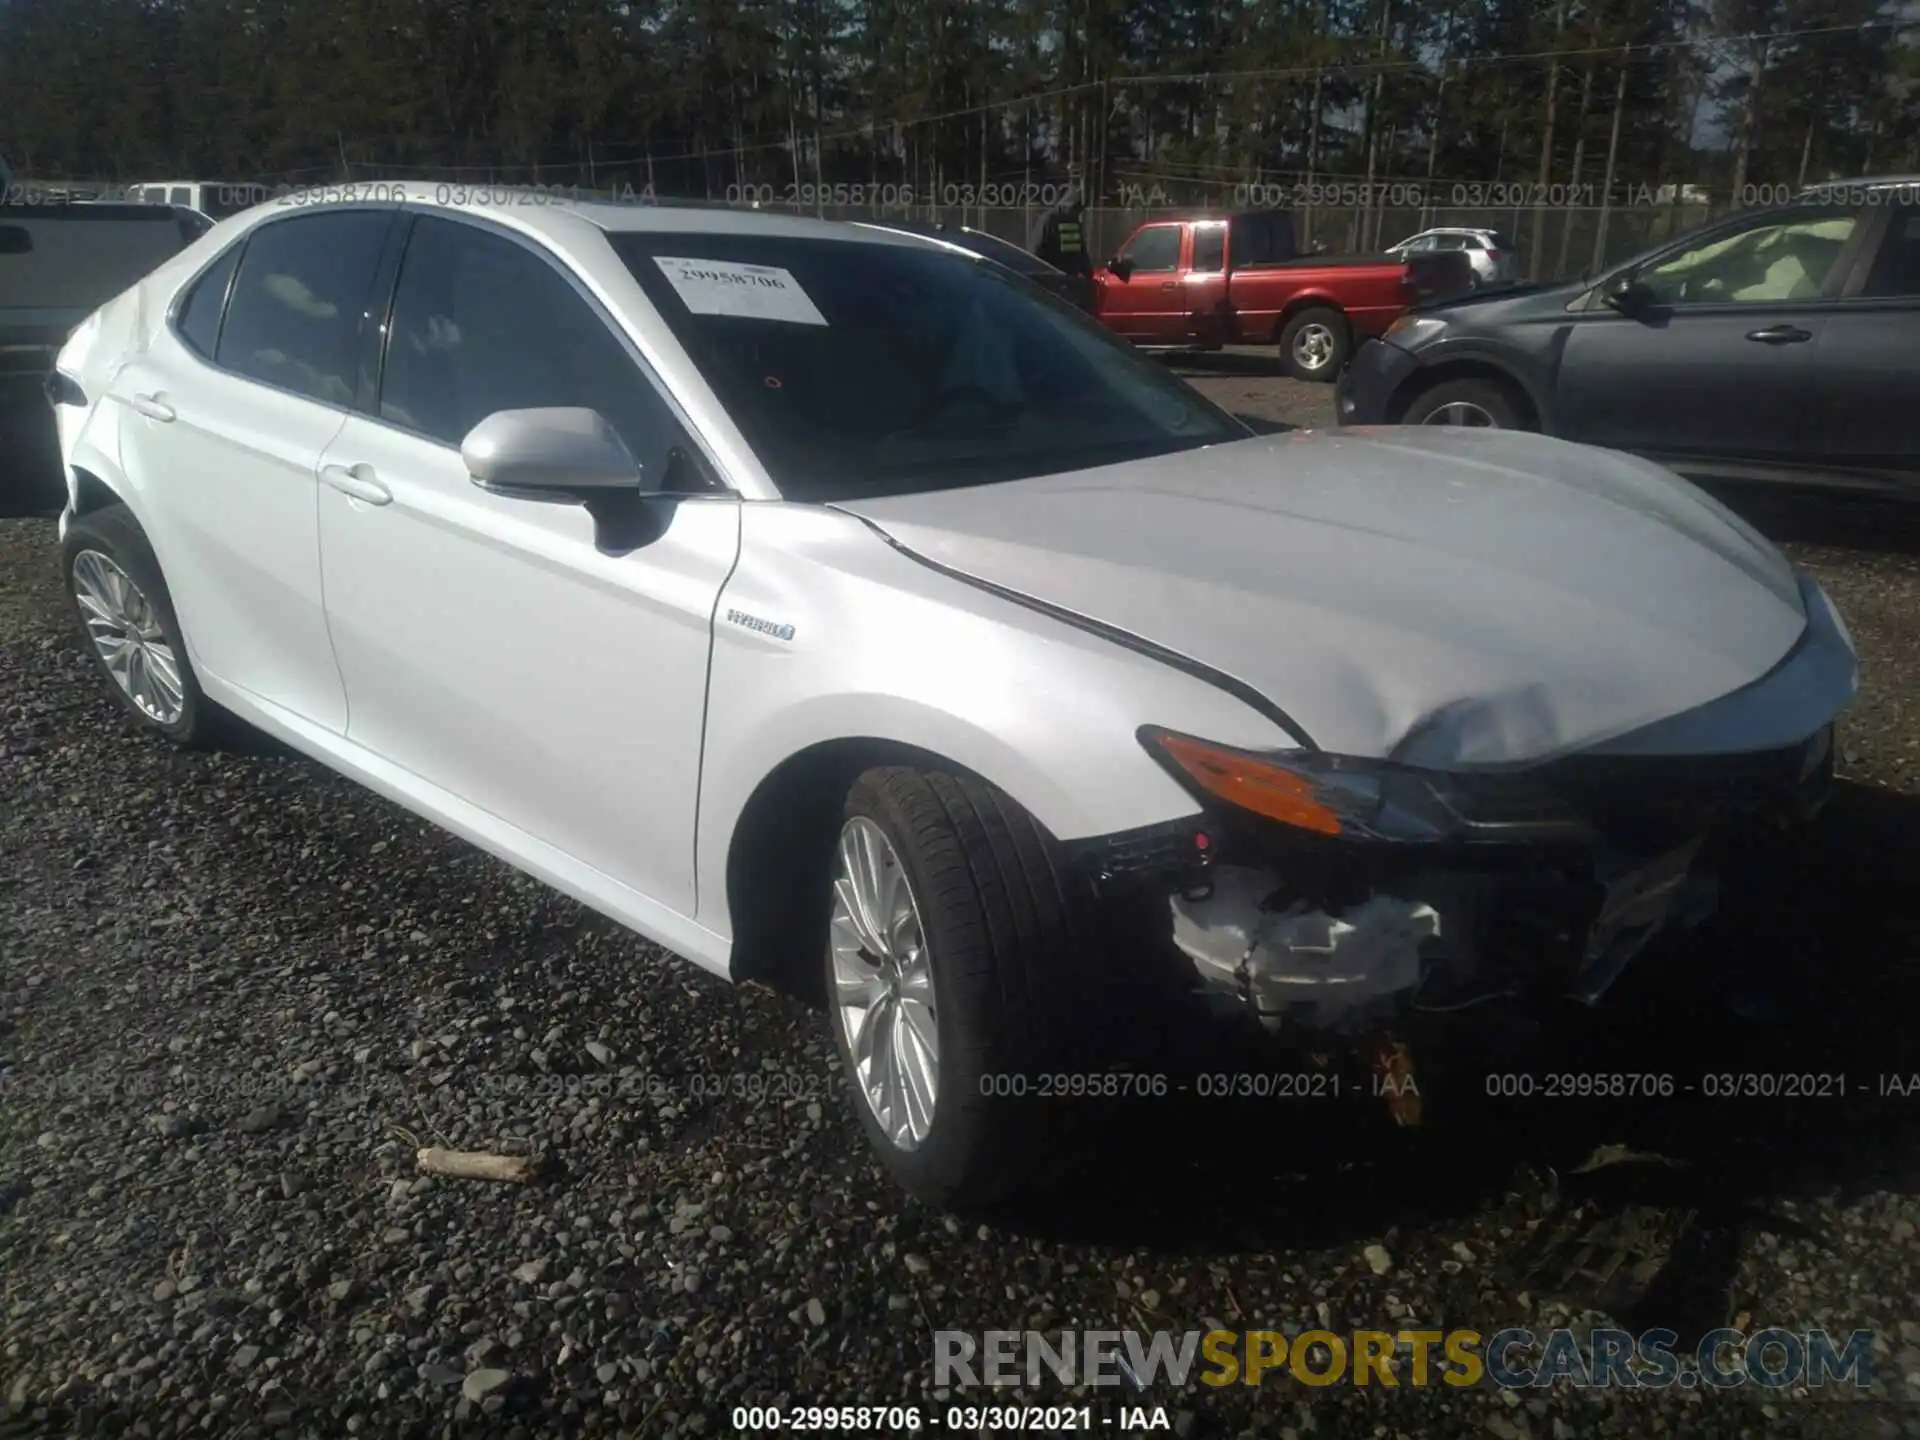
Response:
column 1870, row 182
column 556, row 212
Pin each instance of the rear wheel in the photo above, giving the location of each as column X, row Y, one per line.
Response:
column 1314, row 344
column 956, row 968
column 1479, row 404
column 127, row 620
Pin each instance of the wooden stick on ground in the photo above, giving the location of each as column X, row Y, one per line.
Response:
column 474, row 1165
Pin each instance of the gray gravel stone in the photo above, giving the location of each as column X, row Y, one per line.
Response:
column 481, row 1383
column 251, row 934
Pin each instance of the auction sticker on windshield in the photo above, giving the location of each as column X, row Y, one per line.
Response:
column 750, row 292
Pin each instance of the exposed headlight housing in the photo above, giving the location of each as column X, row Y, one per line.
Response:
column 1365, row 800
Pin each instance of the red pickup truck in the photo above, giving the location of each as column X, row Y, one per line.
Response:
column 1240, row 280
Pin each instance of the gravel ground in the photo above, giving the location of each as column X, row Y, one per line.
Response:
column 239, row 991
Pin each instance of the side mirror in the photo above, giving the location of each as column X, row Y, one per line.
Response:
column 1628, row 295
column 563, row 455
column 1120, row 268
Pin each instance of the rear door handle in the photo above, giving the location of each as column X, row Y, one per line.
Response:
column 152, row 406
column 1780, row 335
column 358, row 481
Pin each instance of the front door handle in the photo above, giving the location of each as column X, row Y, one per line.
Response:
column 1169, row 284
column 153, row 407
column 1780, row 335
column 358, row 481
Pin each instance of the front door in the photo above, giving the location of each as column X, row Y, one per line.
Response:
column 1718, row 363
column 1866, row 373
column 488, row 646
column 1150, row 305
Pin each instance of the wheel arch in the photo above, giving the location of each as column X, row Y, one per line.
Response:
column 1467, row 367
column 1311, row 300
column 89, row 492
column 778, row 855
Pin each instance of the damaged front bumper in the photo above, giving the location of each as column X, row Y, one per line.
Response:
column 1320, row 934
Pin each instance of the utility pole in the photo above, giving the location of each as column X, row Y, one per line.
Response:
column 1613, row 155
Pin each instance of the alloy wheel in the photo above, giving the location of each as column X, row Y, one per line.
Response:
column 125, row 630
column 1461, row 412
column 883, row 996
column 1313, row 347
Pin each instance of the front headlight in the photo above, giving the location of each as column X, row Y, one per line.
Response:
column 1368, row 800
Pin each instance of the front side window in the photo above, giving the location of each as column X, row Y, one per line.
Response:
column 858, row 370
column 480, row 323
column 1154, row 250
column 298, row 299
column 1782, row 259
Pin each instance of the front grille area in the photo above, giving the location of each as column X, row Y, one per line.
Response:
column 1169, row 850
column 1656, row 798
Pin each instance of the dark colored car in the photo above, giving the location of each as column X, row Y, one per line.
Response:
column 1074, row 289
column 1781, row 343
column 59, row 263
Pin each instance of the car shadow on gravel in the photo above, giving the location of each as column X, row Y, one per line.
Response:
column 1785, row 1028
column 1227, row 362
column 1837, row 519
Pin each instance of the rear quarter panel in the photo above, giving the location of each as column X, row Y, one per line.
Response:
column 884, row 648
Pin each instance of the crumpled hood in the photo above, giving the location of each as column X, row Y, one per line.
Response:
column 1443, row 597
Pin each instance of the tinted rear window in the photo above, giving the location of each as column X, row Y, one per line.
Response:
column 296, row 305
column 856, row 370
column 81, row 258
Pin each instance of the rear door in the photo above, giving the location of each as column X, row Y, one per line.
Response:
column 1866, row 368
column 1149, row 306
column 1208, row 318
column 228, row 412
column 1718, row 366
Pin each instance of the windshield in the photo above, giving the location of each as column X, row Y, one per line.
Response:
column 857, row 370
column 994, row 248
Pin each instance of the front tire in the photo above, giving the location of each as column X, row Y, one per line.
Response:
column 1315, row 344
column 1479, row 404
column 126, row 619
column 957, row 938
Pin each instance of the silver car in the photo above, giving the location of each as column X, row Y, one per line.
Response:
column 1495, row 259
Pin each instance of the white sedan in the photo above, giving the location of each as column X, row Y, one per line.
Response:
column 838, row 610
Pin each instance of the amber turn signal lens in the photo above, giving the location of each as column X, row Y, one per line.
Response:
column 1250, row 784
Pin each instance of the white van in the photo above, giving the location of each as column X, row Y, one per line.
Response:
column 216, row 199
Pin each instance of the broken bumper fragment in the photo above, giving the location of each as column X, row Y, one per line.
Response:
column 1320, row 932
